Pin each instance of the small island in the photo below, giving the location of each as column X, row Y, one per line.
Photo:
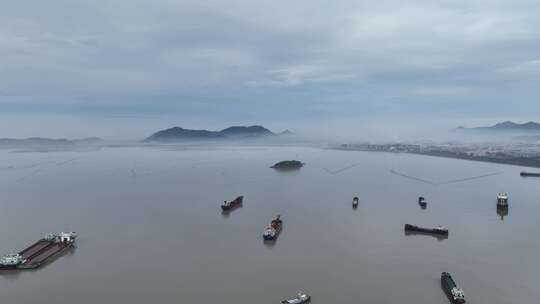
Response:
column 288, row 165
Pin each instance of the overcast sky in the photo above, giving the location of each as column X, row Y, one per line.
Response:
column 195, row 63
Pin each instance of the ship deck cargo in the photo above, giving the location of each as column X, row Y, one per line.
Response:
column 272, row 231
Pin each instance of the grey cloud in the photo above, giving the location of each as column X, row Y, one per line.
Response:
column 121, row 50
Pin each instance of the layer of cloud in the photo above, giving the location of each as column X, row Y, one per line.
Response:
column 348, row 55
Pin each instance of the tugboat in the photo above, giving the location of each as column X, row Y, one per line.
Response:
column 237, row 202
column 453, row 292
column 437, row 230
column 40, row 252
column 355, row 202
column 272, row 231
column 422, row 202
column 300, row 299
column 502, row 200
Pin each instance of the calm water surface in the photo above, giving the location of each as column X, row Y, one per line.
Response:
column 151, row 231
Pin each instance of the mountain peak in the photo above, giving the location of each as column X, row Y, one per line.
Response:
column 508, row 126
column 178, row 133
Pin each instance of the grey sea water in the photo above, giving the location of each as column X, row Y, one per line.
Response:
column 151, row 229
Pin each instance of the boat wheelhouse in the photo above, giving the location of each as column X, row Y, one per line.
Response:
column 502, row 200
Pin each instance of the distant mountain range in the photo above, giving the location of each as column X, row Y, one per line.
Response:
column 235, row 132
column 507, row 126
column 41, row 141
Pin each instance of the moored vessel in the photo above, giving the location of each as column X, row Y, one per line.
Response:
column 229, row 205
column 40, row 252
column 355, row 202
column 533, row 174
column 422, row 202
column 300, row 298
column 437, row 230
column 502, row 200
column 288, row 165
column 453, row 292
column 271, row 232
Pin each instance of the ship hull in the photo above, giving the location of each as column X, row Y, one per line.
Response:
column 526, row 174
column 297, row 301
column 277, row 224
column 11, row 267
column 233, row 204
column 268, row 237
column 413, row 228
column 447, row 284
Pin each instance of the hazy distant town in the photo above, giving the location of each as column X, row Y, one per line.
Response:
column 522, row 154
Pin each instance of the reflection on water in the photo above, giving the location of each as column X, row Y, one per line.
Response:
column 439, row 237
column 502, row 212
column 158, row 238
column 227, row 213
column 270, row 243
column 15, row 274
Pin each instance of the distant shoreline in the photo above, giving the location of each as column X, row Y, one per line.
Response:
column 514, row 160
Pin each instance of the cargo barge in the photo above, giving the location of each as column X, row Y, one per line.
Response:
column 532, row 174
column 502, row 201
column 437, row 230
column 40, row 252
column 422, row 202
column 231, row 205
column 355, row 202
column 453, row 292
column 271, row 232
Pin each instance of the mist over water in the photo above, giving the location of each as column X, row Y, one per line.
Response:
column 151, row 230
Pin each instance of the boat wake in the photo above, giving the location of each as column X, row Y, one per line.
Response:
column 459, row 180
column 340, row 170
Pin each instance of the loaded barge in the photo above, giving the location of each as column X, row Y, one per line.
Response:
column 271, row 232
column 453, row 292
column 39, row 253
column 231, row 205
column 437, row 230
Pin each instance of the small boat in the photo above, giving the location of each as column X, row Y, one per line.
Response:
column 355, row 202
column 237, row 202
column 437, row 230
column 533, row 174
column 272, row 231
column 422, row 202
column 299, row 299
column 288, row 165
column 502, row 200
column 453, row 292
